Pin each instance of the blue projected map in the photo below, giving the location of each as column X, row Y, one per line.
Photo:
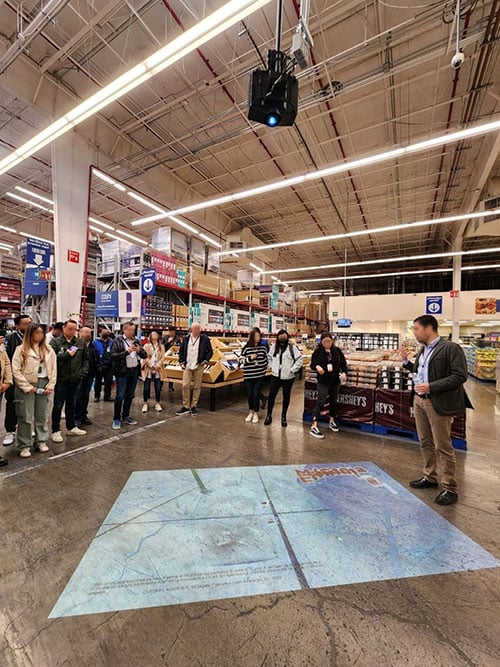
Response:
column 181, row 536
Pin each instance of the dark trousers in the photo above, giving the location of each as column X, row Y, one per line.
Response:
column 10, row 422
column 253, row 388
column 82, row 399
column 64, row 397
column 125, row 391
column 156, row 381
column 326, row 394
column 103, row 377
column 274, row 387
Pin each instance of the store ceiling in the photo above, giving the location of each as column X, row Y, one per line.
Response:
column 381, row 77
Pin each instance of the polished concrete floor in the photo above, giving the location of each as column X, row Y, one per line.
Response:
column 52, row 506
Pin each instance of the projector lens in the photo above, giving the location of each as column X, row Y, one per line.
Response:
column 272, row 120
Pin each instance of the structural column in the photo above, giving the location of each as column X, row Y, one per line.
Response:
column 71, row 159
column 457, row 284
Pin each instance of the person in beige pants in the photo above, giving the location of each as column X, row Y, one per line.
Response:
column 34, row 367
column 194, row 354
column 438, row 395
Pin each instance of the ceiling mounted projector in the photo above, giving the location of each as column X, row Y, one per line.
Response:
column 273, row 97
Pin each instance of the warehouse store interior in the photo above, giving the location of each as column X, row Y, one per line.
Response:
column 249, row 333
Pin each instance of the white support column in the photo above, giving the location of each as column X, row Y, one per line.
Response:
column 457, row 283
column 71, row 159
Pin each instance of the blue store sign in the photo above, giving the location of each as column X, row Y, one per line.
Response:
column 434, row 305
column 106, row 304
column 38, row 253
column 148, row 282
column 34, row 285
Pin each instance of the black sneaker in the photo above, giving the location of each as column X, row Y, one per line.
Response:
column 3, row 462
column 333, row 427
column 268, row 420
column 194, row 412
column 86, row 422
column 316, row 433
column 284, row 422
column 182, row 411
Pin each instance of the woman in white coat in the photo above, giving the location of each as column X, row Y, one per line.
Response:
column 285, row 361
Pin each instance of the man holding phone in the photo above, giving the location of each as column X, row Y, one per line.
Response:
column 126, row 355
column 72, row 366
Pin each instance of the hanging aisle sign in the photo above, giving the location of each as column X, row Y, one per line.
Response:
column 106, row 304
column 148, row 282
column 38, row 253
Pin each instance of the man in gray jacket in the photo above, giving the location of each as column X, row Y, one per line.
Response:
column 438, row 394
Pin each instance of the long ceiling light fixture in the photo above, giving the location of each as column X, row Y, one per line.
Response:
column 367, row 232
column 31, row 193
column 339, row 168
column 229, row 14
column 38, row 238
column 387, row 275
column 102, row 224
column 145, row 201
column 107, row 179
column 385, row 261
column 12, row 195
column 210, row 241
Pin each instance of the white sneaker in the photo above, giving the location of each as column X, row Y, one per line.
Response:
column 9, row 439
column 249, row 417
column 43, row 448
column 145, row 407
column 255, row 418
column 158, row 407
column 25, row 453
column 57, row 437
column 77, row 431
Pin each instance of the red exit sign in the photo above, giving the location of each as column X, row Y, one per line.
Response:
column 74, row 256
column 454, row 293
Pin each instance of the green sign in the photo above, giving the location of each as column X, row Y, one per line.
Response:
column 335, row 313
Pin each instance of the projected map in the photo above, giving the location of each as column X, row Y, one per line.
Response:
column 180, row 536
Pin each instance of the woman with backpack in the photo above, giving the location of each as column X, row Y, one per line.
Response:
column 329, row 363
column 286, row 361
column 254, row 361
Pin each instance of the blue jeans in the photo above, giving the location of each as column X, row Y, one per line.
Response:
column 125, row 391
column 156, row 381
column 253, row 388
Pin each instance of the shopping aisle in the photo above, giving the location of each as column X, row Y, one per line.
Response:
column 53, row 508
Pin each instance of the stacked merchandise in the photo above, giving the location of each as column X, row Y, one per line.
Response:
column 11, row 266
column 180, row 315
column 171, row 369
column 395, row 376
column 210, row 317
column 481, row 362
column 363, row 368
column 247, row 295
column 10, row 297
column 128, row 253
column 205, row 282
column 158, row 313
column 367, row 341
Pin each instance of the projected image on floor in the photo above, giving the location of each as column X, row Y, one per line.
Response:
column 182, row 536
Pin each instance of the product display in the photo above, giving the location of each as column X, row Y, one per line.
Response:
column 481, row 362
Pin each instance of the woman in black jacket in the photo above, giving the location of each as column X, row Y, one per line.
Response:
column 329, row 363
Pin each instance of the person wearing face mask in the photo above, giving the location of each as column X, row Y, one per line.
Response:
column 103, row 366
column 330, row 365
column 285, row 361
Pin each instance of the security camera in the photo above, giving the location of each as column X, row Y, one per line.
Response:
column 457, row 60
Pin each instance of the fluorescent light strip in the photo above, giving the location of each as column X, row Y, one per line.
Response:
column 107, row 179
column 102, row 224
column 440, row 140
column 34, row 194
column 386, row 261
column 28, row 201
column 97, row 229
column 145, row 201
column 387, row 275
column 229, row 14
column 367, row 232
column 38, row 238
column 257, row 268
column 181, row 223
column 206, row 238
column 8, row 229
column 136, row 239
column 5, row 246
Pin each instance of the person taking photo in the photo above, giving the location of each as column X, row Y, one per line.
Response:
column 35, row 373
column 126, row 355
column 329, row 363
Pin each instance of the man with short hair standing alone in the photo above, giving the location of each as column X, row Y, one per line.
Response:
column 440, row 371
column 126, row 355
column 194, row 355
column 72, row 367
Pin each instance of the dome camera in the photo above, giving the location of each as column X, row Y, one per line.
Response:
column 457, row 60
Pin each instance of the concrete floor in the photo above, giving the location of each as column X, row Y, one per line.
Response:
column 52, row 508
